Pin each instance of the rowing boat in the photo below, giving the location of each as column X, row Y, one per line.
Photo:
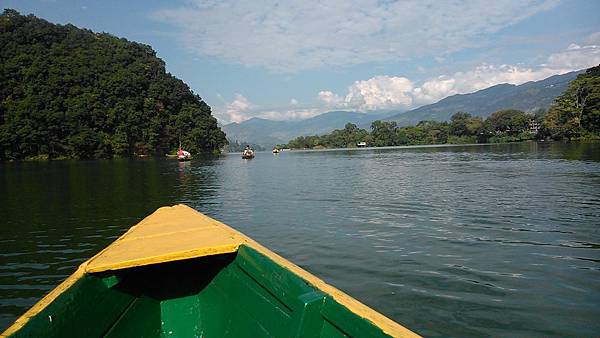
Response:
column 180, row 273
column 248, row 154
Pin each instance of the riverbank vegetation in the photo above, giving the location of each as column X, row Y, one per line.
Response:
column 576, row 112
column 72, row 93
column 574, row 115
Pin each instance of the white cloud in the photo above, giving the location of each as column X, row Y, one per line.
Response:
column 575, row 57
column 290, row 114
column 593, row 39
column 294, row 35
column 397, row 92
column 241, row 109
column 330, row 99
column 380, row 92
column 391, row 92
column 234, row 111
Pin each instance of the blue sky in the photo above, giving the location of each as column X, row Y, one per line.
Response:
column 296, row 59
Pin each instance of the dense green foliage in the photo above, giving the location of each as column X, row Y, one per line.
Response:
column 70, row 92
column 576, row 112
column 501, row 126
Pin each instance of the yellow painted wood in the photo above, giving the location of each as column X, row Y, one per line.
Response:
column 180, row 232
column 169, row 234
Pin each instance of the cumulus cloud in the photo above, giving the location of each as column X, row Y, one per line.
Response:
column 380, row 92
column 330, row 99
column 234, row 111
column 397, row 92
column 392, row 92
column 294, row 35
column 241, row 109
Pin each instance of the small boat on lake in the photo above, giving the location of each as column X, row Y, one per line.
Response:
column 276, row 151
column 248, row 154
column 180, row 273
column 183, row 155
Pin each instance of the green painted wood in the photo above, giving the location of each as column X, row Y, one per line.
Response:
column 140, row 319
column 349, row 323
column 234, row 295
column 329, row 330
column 307, row 321
column 181, row 317
column 279, row 281
column 252, row 300
column 86, row 309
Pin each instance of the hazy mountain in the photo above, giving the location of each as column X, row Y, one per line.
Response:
column 528, row 96
column 268, row 133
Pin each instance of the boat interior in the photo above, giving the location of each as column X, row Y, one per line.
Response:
column 241, row 294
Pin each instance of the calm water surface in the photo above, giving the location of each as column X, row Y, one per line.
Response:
column 499, row 240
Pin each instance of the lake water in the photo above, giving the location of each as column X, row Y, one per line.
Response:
column 490, row 240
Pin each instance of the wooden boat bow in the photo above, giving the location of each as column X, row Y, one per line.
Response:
column 180, row 233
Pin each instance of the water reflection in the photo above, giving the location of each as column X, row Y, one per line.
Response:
column 450, row 241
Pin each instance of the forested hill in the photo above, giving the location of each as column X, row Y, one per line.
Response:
column 70, row 92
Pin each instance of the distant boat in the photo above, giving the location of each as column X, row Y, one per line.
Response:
column 275, row 151
column 180, row 273
column 361, row 144
column 248, row 154
column 183, row 155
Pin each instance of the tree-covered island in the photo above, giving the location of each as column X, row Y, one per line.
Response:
column 68, row 92
column 574, row 115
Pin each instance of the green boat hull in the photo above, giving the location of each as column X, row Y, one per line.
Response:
column 242, row 294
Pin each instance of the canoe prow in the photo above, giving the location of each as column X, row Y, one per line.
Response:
column 180, row 272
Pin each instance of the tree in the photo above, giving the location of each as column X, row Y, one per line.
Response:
column 474, row 125
column 577, row 110
column 458, row 124
column 70, row 92
column 511, row 120
column 564, row 119
column 384, row 133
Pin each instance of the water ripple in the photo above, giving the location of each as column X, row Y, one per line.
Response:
column 470, row 241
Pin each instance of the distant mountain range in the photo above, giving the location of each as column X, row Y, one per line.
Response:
column 528, row 96
column 268, row 133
